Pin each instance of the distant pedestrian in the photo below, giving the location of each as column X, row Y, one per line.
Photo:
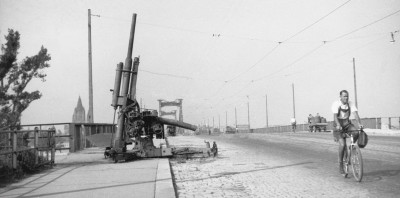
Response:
column 310, row 120
column 318, row 117
column 209, row 132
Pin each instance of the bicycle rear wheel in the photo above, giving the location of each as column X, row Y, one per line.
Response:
column 357, row 163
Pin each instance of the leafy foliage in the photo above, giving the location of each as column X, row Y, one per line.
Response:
column 15, row 77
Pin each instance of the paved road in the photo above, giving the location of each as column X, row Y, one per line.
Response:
column 285, row 165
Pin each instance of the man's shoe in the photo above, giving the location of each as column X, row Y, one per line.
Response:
column 341, row 168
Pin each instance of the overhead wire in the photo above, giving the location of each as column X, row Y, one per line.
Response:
column 364, row 26
column 256, row 63
column 165, row 74
column 292, row 63
column 320, row 19
column 338, row 56
column 294, row 35
column 337, row 38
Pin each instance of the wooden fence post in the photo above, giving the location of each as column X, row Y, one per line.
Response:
column 14, row 150
column 35, row 145
column 53, row 145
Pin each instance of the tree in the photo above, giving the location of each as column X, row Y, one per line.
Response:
column 10, row 50
column 15, row 77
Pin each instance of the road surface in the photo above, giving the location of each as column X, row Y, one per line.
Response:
column 285, row 165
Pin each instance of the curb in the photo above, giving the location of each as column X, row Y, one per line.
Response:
column 164, row 184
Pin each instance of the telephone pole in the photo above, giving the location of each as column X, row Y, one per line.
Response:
column 248, row 111
column 355, row 83
column 219, row 122
column 90, row 111
column 90, row 115
column 235, row 120
column 294, row 107
column 226, row 118
column 266, row 108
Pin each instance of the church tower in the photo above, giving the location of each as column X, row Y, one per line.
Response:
column 79, row 112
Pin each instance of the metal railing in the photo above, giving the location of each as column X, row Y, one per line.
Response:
column 392, row 123
column 17, row 149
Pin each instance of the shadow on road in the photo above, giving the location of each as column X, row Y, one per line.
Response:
column 379, row 175
column 223, row 174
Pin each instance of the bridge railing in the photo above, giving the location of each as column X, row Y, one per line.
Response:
column 30, row 148
column 392, row 123
column 79, row 133
column 26, row 149
column 72, row 136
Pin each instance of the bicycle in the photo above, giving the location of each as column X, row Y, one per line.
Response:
column 353, row 157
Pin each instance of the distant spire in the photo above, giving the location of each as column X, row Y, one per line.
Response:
column 79, row 102
column 79, row 112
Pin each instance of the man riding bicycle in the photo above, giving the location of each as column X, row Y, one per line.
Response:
column 342, row 110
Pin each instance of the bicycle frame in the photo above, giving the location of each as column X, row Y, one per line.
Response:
column 349, row 154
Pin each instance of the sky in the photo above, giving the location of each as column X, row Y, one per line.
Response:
column 215, row 55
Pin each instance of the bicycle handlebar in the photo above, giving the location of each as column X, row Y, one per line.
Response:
column 347, row 131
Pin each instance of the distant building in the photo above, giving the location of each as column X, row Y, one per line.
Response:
column 79, row 112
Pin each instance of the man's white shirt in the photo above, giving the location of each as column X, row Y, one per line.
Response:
column 338, row 103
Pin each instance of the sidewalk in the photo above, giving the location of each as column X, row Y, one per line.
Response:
column 88, row 174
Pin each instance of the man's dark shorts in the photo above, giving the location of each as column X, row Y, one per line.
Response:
column 341, row 134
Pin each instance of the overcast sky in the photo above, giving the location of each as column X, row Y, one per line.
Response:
column 215, row 74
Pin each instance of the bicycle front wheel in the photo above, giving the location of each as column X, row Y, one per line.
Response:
column 357, row 163
column 346, row 163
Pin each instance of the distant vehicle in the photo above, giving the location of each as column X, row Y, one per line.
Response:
column 230, row 129
column 317, row 123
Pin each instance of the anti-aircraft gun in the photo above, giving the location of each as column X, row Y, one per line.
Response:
column 134, row 126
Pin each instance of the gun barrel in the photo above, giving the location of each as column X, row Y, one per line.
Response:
column 177, row 123
column 117, row 85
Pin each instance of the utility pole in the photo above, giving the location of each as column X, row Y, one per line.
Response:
column 226, row 118
column 90, row 118
column 294, row 107
column 213, row 123
column 248, row 111
column 355, row 84
column 235, row 120
column 266, row 108
column 219, row 122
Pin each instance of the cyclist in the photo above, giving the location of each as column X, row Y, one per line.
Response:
column 342, row 109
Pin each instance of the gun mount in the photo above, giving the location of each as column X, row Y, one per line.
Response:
column 136, row 127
